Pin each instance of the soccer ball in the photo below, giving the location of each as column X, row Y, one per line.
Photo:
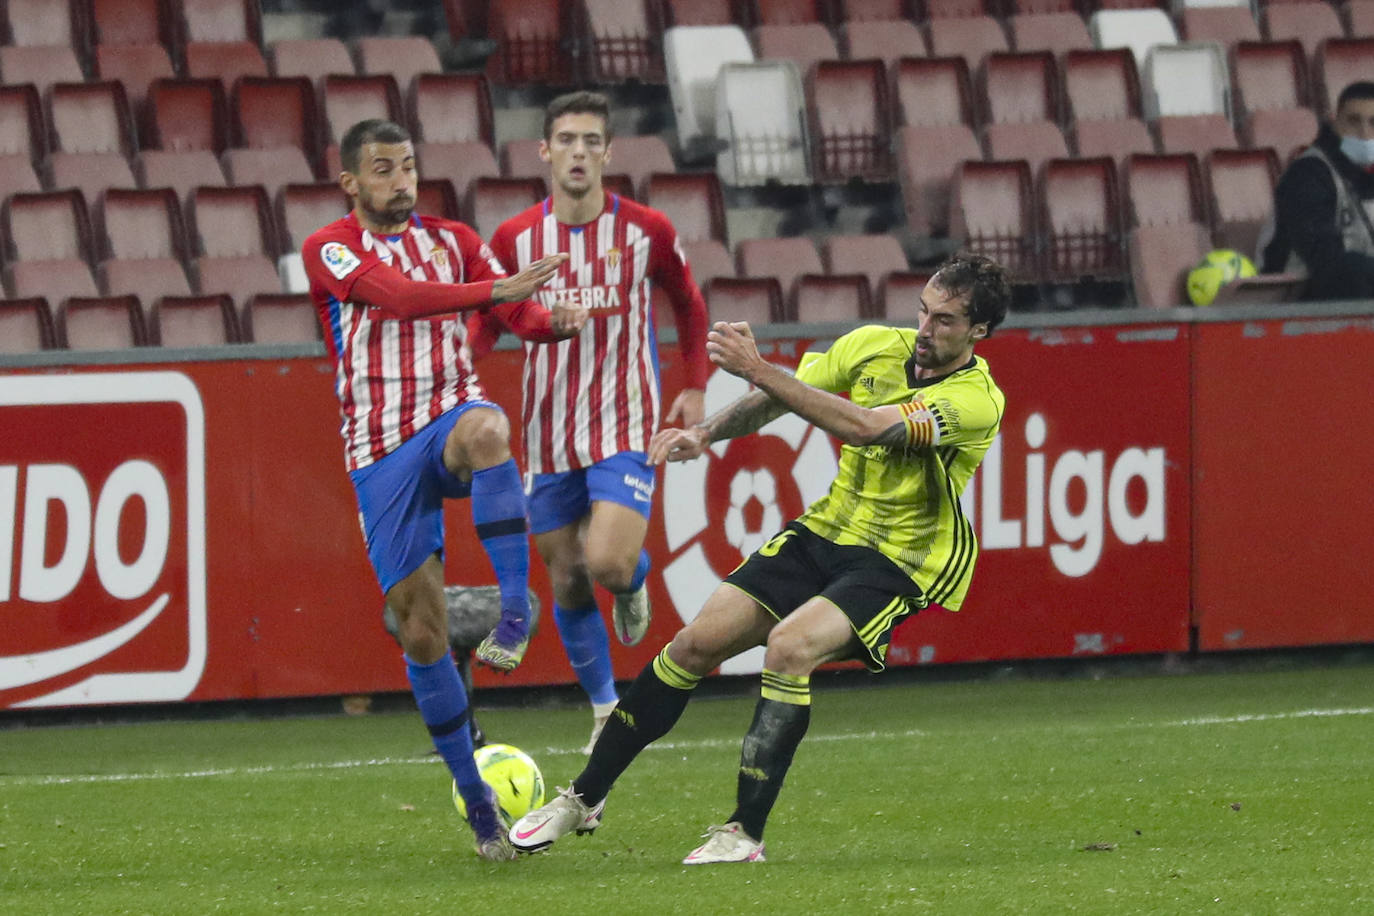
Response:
column 1214, row 271
column 514, row 775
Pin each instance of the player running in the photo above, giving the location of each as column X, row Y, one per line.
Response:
column 592, row 402
column 417, row 428
column 888, row 539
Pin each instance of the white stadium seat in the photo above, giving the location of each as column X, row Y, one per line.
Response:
column 759, row 113
column 693, row 56
column 1139, row 30
column 1186, row 79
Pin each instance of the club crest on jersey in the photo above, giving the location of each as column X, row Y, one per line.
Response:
column 613, row 258
column 338, row 259
column 438, row 256
column 598, row 300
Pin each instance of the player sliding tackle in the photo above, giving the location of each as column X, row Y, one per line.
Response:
column 887, row 540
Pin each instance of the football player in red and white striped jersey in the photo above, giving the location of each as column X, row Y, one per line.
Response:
column 593, row 402
column 417, row 428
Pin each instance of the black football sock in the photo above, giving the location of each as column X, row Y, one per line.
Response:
column 647, row 712
column 780, row 722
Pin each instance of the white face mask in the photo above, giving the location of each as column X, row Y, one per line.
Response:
column 1358, row 151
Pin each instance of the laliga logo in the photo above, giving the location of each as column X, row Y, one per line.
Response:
column 1080, row 532
column 721, row 507
column 132, row 578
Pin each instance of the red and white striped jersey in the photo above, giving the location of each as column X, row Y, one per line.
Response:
column 596, row 394
column 393, row 376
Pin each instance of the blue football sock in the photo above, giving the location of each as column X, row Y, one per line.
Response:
column 641, row 572
column 443, row 705
column 498, row 512
column 584, row 636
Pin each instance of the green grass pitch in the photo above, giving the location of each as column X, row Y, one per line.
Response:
column 1196, row 793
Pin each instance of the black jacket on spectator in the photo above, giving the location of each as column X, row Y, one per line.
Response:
column 1305, row 204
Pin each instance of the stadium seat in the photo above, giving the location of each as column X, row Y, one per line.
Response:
column 350, row 99
column 785, row 259
column 848, row 110
column 1186, row 79
column 1116, row 139
column 1081, row 220
column 241, row 278
column 492, row 201
column 955, row 9
column 310, row 58
column 529, row 43
column 1360, row 17
column 275, row 112
column 899, row 299
column 621, row 45
column 1054, row 32
column 56, row 280
column 1033, row 142
column 843, row 297
column 874, row 256
column 1138, row 30
column 993, row 213
column 22, row 132
column 1164, row 190
column 146, row 279
column 90, row 322
column 520, row 159
column 26, row 326
column 402, row 57
column 42, row 23
column 693, row 57
column 694, row 202
column 708, row 259
column 851, row 11
column 759, row 113
column 1196, row 134
column 927, row 159
column 638, row 157
column 303, row 208
column 1283, row 130
column 270, row 168
column 1022, row 86
column 785, row 12
column 452, row 108
column 699, row 12
column 1241, row 188
column 278, row 319
column 1225, row 25
column 803, row 44
column 179, row 171
column 186, row 115
column 231, row 222
column 137, row 224
column 969, row 37
column 885, row 41
column 199, row 321
column 218, row 20
column 17, row 175
column 437, row 197
column 755, row 300
column 135, row 67
column 1339, row 63
column 89, row 173
column 1268, row 76
column 41, row 67
column 47, row 226
column 1309, row 24
column 458, row 163
column 224, row 61
column 130, row 22
column 1101, row 85
column 1161, row 257
column 932, row 92
column 90, row 118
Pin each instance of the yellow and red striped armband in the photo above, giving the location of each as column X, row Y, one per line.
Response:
column 922, row 429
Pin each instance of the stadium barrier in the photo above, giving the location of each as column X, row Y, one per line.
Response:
column 177, row 525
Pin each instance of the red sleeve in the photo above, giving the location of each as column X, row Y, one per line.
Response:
column 528, row 319
column 334, row 261
column 672, row 272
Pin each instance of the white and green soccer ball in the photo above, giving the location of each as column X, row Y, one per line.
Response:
column 513, row 774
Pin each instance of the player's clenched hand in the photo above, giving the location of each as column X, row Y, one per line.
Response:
column 730, row 345
column 567, row 320
column 677, row 444
column 518, row 287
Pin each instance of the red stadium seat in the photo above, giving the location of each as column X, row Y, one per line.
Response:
column 458, row 163
column 95, row 323
column 147, row 279
column 1164, row 190
column 1226, row 25
column 1019, row 87
column 90, row 118
column 1339, row 63
column 874, row 256
column 1268, row 76
column 804, row 44
column 833, row 298
column 26, row 326
column 22, row 132
column 1161, row 257
column 640, row 157
column 885, row 41
column 1360, row 17
column 492, row 201
column 41, row 67
column 276, row 112
column 694, row 202
column 199, row 321
column 1101, row 85
column 185, row 115
column 992, row 211
column 350, row 99
column 1116, row 139
column 755, row 300
column 135, row 67
column 529, row 43
column 241, row 278
column 1057, row 32
column 933, row 92
column 138, row 224
column 452, row 108
column 436, row 197
column 700, row 12
column 708, row 259
column 219, row 20
column 56, row 280
column 621, row 45
column 1034, row 142
column 231, row 223
column 310, row 58
column 179, row 171
column 900, row 296
column 1241, row 189
column 41, row 23
column 851, row 11
column 130, row 22
column 227, row 62
column 785, row 259
column 1081, row 220
column 89, row 173
column 402, row 57
column 969, row 37
column 1284, row 130
column 955, row 9
column 47, row 226
column 1309, row 24
column 279, row 318
column 1196, row 134
column 303, row 208
column 928, row 158
column 17, row 175
column 786, row 12
column 270, row 168
column 520, row 159
column 848, row 108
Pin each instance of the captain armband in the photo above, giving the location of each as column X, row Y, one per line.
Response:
column 919, row 424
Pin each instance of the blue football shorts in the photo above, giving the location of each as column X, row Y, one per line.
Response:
column 563, row 497
column 401, row 499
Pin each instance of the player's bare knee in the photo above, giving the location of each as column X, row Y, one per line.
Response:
column 481, row 439
column 788, row 653
column 695, row 652
column 612, row 573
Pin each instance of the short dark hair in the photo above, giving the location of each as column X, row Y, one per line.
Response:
column 1359, row 91
column 373, row 130
column 580, row 102
column 985, row 283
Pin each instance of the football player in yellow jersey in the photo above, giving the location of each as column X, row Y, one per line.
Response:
column 886, row 540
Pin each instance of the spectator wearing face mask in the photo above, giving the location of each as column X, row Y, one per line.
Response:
column 1324, row 206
